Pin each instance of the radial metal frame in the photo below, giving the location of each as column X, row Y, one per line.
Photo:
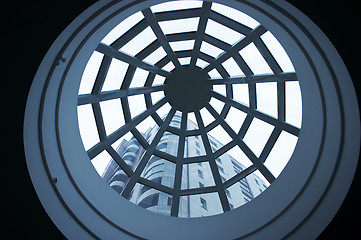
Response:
column 204, row 13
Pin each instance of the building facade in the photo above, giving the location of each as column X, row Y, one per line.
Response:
column 194, row 175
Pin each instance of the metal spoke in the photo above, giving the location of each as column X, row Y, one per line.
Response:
column 175, row 37
column 115, row 156
column 254, row 34
column 102, row 73
column 152, row 21
column 234, row 25
column 98, row 148
column 240, row 176
column 281, row 77
column 143, row 162
column 155, row 185
column 129, row 35
column 179, row 166
column 206, row 9
column 203, row 190
column 213, row 165
column 133, row 61
column 115, row 94
column 99, row 121
column 265, row 172
column 262, row 116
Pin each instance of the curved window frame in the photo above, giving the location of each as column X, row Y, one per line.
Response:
column 67, row 180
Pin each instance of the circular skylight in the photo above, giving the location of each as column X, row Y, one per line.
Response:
column 189, row 108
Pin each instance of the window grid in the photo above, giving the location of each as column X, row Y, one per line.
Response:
column 163, row 122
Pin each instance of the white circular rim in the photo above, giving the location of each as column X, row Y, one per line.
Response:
column 73, row 194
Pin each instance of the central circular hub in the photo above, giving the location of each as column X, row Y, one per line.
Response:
column 188, row 89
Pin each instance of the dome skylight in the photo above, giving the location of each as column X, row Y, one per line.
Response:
column 189, row 109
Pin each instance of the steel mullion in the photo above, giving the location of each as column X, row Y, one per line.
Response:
column 119, row 160
column 196, row 159
column 133, row 61
column 157, row 186
column 98, row 148
column 149, row 16
column 165, row 156
column 140, row 138
column 224, row 74
column 150, row 80
column 267, row 55
column 99, row 121
column 216, row 42
column 115, row 94
column 224, row 149
column 183, row 53
column 148, row 50
column 254, row 34
column 262, row 116
column 129, row 35
column 281, row 101
column 282, row 77
column 143, row 162
column 269, row 145
column 230, row 23
column 204, row 15
column 102, row 73
column 245, row 125
column 206, row 57
column 213, row 165
column 177, row 14
column 203, row 190
column 179, row 166
column 126, row 110
column 265, row 172
column 183, row 36
column 240, row 176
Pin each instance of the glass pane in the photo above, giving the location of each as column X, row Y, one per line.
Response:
column 179, row 25
column 255, row 60
column 169, row 143
column 267, row 98
column 257, row 135
column 139, row 78
column 235, row 119
column 240, row 93
column 195, row 173
column 100, row 162
column 192, row 122
column 87, row 126
column 194, row 146
column 281, row 153
column 122, row 28
column 148, row 128
column 232, row 68
column 112, row 113
column 115, row 75
column 90, row 73
column 151, row 199
column 136, row 105
column 293, row 104
column 235, row 15
column 160, row 171
column 222, row 32
column 129, row 149
column 218, row 134
column 139, row 42
column 278, row 52
column 199, row 205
